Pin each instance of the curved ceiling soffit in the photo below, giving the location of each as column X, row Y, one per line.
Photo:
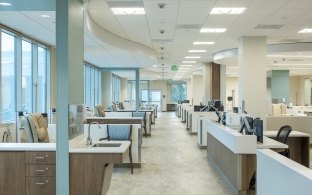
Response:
column 114, row 40
column 271, row 48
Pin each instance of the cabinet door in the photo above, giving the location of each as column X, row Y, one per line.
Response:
column 40, row 186
column 3, row 172
column 16, row 173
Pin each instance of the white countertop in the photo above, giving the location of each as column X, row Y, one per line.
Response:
column 292, row 134
column 76, row 145
column 269, row 143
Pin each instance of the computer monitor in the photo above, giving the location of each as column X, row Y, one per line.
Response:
column 246, row 125
column 258, row 129
column 217, row 104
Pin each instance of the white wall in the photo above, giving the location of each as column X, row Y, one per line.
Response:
column 197, row 93
column 123, row 89
column 106, row 91
column 189, row 89
column 231, row 83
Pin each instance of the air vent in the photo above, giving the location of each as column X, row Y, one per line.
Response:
column 291, row 40
column 188, row 26
column 122, row 4
column 268, row 26
column 162, row 40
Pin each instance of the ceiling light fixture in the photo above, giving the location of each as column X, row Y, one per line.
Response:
column 289, row 56
column 227, row 10
column 5, row 4
column 197, row 51
column 189, row 62
column 212, row 30
column 155, row 65
column 184, row 68
column 128, row 11
column 45, row 16
column 306, row 30
column 192, row 57
column 186, row 65
column 203, row 43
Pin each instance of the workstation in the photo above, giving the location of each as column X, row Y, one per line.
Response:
column 64, row 58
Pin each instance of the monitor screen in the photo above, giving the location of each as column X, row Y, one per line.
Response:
column 258, row 125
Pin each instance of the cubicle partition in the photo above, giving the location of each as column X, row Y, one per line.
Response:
column 98, row 131
column 277, row 174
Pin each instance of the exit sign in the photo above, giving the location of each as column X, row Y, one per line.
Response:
column 174, row 68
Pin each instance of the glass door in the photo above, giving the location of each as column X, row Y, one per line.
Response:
column 155, row 98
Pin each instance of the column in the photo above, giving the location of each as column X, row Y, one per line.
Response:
column 69, row 80
column 252, row 76
column 207, row 83
column 223, row 97
column 280, row 86
column 197, row 95
column 137, row 90
column 106, row 85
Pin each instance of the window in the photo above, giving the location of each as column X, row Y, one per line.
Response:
column 115, row 88
column 8, row 102
column 92, row 81
column 27, row 77
column 42, row 80
column 178, row 91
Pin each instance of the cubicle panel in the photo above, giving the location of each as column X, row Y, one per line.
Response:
column 277, row 174
column 118, row 114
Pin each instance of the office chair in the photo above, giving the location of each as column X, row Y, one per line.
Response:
column 141, row 114
column 99, row 111
column 282, row 136
column 35, row 128
column 120, row 133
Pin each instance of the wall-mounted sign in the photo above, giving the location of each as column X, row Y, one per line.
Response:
column 174, row 68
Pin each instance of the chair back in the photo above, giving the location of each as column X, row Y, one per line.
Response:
column 140, row 114
column 283, row 133
column 99, row 111
column 119, row 132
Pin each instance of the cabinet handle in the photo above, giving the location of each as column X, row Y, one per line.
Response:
column 40, row 170
column 40, row 183
column 42, row 157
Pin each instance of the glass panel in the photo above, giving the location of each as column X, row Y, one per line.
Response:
column 144, row 94
column 7, row 77
column 155, row 96
column 178, row 92
column 92, row 87
column 26, row 76
column 42, row 80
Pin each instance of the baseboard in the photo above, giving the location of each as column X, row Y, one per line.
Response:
column 127, row 165
column 193, row 133
column 201, row 147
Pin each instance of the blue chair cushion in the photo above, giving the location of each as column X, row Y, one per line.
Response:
column 119, row 132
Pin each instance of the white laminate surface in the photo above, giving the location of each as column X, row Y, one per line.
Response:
column 27, row 146
column 292, row 134
column 76, row 145
column 269, row 143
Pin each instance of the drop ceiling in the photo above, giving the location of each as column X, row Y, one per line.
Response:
column 180, row 21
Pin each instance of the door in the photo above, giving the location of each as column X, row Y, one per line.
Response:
column 155, row 98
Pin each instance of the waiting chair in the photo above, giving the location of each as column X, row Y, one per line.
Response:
column 99, row 111
column 143, row 115
column 120, row 133
column 282, row 137
column 35, row 128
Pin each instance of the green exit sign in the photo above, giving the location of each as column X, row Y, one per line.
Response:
column 174, row 68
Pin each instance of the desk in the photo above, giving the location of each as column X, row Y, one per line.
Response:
column 299, row 146
column 234, row 154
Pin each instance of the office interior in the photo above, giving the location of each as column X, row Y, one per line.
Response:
column 74, row 72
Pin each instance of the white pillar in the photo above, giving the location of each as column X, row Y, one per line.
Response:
column 207, row 83
column 252, row 76
column 106, row 85
column 223, row 85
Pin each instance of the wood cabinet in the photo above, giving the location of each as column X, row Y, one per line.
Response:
column 40, row 173
column 27, row 173
column 12, row 173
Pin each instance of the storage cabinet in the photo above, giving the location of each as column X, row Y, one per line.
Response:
column 12, row 173
column 27, row 173
column 40, row 173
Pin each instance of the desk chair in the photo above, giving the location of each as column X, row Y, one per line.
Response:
column 35, row 128
column 120, row 133
column 141, row 114
column 282, row 136
column 99, row 111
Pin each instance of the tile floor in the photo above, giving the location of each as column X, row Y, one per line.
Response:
column 172, row 164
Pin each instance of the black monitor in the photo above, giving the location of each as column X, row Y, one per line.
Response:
column 246, row 125
column 258, row 129
column 217, row 104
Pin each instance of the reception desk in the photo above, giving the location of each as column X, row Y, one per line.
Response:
column 234, row 154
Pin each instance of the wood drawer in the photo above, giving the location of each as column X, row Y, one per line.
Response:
column 40, row 186
column 40, row 157
column 40, row 170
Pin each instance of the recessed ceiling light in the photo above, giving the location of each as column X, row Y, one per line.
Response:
column 5, row 4
column 212, row 30
column 128, row 11
column 289, row 56
column 186, row 65
column 192, row 57
column 184, row 68
column 45, row 16
column 203, row 43
column 227, row 10
column 155, row 65
column 189, row 62
column 306, row 30
column 197, row 51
